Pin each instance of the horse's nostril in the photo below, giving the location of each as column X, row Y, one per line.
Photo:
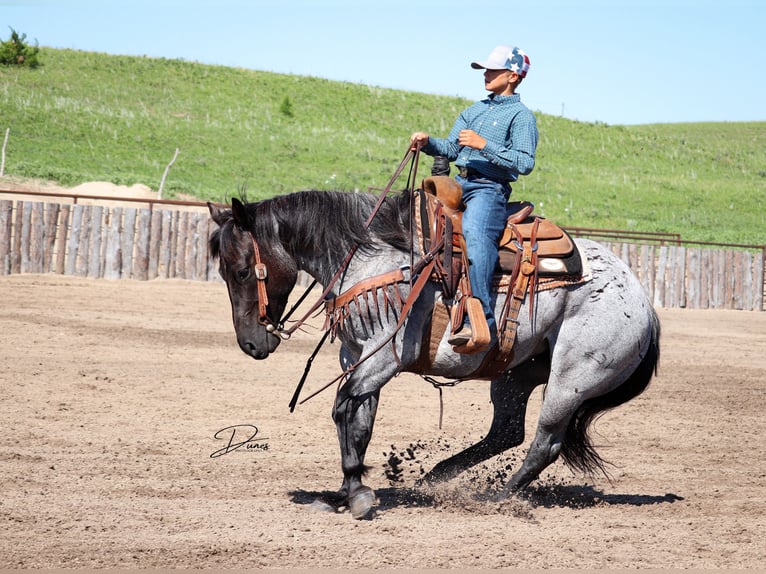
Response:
column 256, row 353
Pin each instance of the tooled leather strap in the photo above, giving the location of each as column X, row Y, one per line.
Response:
column 337, row 308
column 523, row 281
column 261, row 273
column 417, row 287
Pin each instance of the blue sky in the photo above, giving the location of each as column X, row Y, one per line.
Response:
column 612, row 61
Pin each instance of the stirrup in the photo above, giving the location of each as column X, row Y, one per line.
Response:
column 463, row 336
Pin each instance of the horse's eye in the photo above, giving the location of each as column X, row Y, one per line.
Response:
column 243, row 274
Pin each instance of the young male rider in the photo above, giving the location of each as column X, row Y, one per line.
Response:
column 492, row 142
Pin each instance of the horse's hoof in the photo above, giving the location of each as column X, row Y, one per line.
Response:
column 321, row 506
column 499, row 496
column 430, row 479
column 362, row 503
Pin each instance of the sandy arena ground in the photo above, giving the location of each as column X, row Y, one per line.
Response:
column 113, row 393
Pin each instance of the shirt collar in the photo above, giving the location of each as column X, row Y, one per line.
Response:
column 513, row 98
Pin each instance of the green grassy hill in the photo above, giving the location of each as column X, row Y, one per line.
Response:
column 93, row 117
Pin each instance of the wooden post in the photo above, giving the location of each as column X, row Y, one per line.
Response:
column 26, row 234
column 128, row 240
column 96, row 236
column 681, row 276
column 694, row 278
column 659, row 278
column 670, row 290
column 36, row 238
column 706, row 278
column 74, row 236
column 166, row 255
column 51, row 222
column 716, row 280
column 83, row 244
column 183, row 231
column 61, row 238
column 758, row 277
column 747, row 281
column 192, row 242
column 155, row 237
column 141, row 261
column 165, row 174
column 6, row 227
column 173, row 243
column 113, row 256
column 738, row 276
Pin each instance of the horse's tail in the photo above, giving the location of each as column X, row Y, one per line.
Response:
column 577, row 451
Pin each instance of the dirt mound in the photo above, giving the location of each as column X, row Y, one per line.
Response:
column 104, row 188
column 95, row 188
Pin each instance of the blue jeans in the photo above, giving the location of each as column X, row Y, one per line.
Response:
column 483, row 224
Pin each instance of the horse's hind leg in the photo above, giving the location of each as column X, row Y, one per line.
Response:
column 510, row 394
column 545, row 448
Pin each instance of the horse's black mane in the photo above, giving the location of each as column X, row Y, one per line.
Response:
column 314, row 222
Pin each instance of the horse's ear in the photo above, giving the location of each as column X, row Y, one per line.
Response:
column 238, row 211
column 217, row 214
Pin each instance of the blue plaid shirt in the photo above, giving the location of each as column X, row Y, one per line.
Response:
column 511, row 133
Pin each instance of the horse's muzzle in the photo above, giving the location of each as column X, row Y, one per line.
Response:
column 260, row 350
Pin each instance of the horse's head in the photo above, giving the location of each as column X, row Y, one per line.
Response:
column 259, row 275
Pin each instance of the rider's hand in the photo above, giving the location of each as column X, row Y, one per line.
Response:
column 418, row 138
column 470, row 138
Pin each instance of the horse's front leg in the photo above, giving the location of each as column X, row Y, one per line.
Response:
column 354, row 416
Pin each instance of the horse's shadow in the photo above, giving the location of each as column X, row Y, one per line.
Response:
column 546, row 496
column 586, row 496
column 387, row 498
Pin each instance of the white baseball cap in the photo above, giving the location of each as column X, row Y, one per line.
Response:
column 505, row 58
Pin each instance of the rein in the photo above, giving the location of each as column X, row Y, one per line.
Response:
column 261, row 272
column 422, row 268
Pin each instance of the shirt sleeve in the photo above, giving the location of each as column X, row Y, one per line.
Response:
column 518, row 154
column 447, row 147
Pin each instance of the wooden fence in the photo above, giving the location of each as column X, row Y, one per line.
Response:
column 152, row 242
column 702, row 277
column 102, row 241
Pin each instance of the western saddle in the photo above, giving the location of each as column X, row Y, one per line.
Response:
column 535, row 254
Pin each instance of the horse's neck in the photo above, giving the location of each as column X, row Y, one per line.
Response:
column 323, row 251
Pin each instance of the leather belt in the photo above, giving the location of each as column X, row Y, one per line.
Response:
column 470, row 172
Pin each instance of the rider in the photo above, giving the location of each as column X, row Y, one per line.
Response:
column 492, row 142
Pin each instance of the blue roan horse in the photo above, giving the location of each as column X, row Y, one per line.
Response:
column 595, row 345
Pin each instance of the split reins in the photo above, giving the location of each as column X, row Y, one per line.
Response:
column 261, row 272
column 422, row 269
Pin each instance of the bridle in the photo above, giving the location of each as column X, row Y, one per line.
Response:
column 261, row 273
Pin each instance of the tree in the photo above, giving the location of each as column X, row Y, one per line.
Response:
column 17, row 52
column 286, row 107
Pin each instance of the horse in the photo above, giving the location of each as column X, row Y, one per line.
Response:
column 594, row 345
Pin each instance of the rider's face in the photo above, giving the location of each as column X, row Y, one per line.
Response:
column 500, row 82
